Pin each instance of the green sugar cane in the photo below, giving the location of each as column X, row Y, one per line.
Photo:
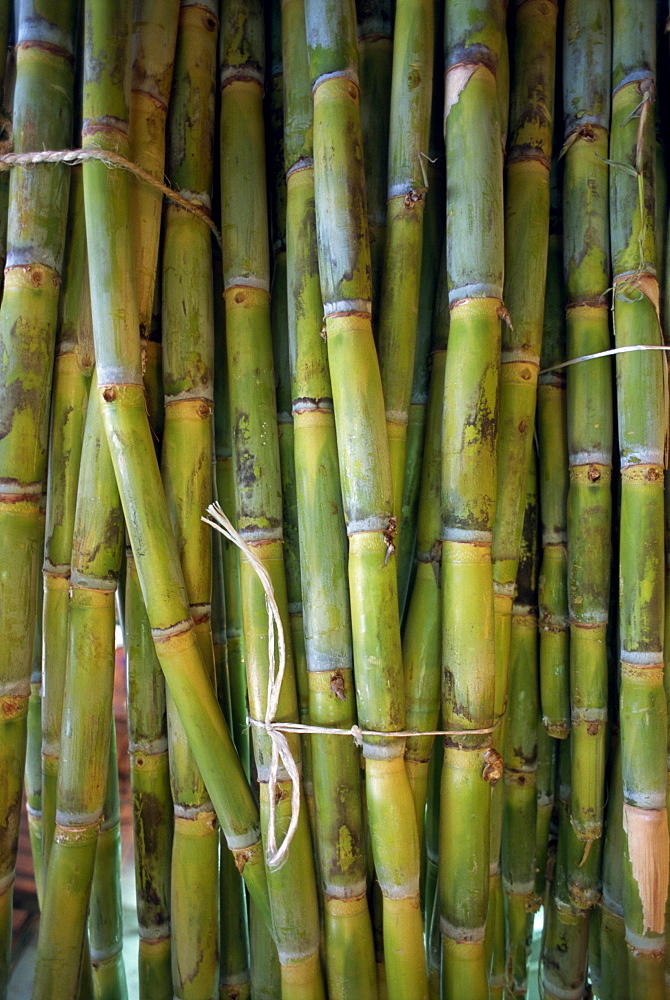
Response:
column 553, row 486
column 42, row 118
column 473, row 39
column 87, row 715
column 256, row 462
column 641, row 400
column 587, row 279
column 411, row 92
column 375, row 54
column 344, row 269
column 186, row 467
column 72, row 369
column 339, row 825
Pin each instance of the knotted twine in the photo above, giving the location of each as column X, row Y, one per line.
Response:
column 280, row 748
column 71, row 157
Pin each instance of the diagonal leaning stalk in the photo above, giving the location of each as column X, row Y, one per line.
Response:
column 642, row 401
column 186, row 466
column 474, row 251
column 246, row 272
column 587, row 280
column 35, row 242
column 365, row 474
column 116, row 335
column 350, row 960
column 97, row 549
column 411, row 92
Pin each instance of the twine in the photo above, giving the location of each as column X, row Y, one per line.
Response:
column 276, row 730
column 280, row 748
column 71, row 157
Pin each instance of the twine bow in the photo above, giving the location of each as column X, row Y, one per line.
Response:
column 275, row 856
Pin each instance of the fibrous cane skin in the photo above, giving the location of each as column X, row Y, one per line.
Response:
column 339, row 827
column 117, row 347
column 186, row 467
column 246, row 272
column 43, row 114
column 473, row 39
column 365, row 475
column 587, row 280
column 641, row 401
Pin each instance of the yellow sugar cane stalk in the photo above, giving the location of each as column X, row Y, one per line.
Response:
column 474, row 251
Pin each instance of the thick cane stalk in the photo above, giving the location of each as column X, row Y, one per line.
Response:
column 155, row 25
column 234, row 983
column 587, row 280
column 642, row 400
column 526, row 242
column 473, row 41
column 279, row 321
column 33, row 764
column 411, row 92
column 613, row 951
column 186, row 465
column 421, row 636
column 553, row 484
column 97, row 548
column 74, row 359
column 116, row 335
column 150, row 793
column 154, row 34
column 28, row 317
column 106, row 917
column 520, row 750
column 256, row 464
column 564, row 952
column 344, row 268
column 225, row 485
column 350, row 960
